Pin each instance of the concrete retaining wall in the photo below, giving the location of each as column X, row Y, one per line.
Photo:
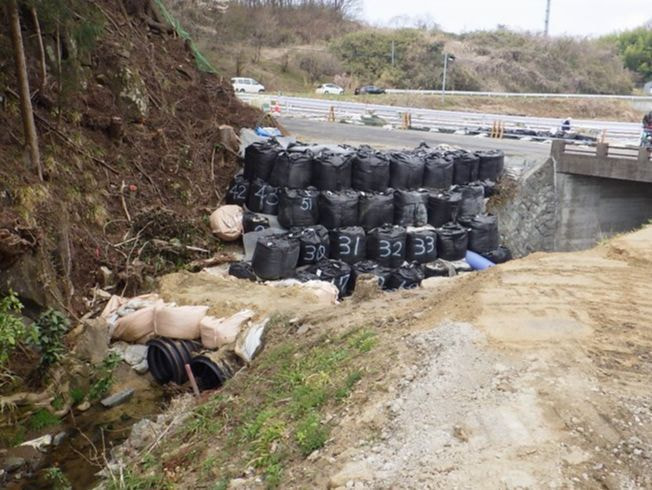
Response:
column 592, row 208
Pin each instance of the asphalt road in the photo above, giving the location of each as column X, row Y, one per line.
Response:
column 337, row 133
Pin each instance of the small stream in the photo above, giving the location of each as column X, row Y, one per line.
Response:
column 90, row 435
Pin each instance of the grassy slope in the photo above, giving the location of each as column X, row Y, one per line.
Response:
column 269, row 417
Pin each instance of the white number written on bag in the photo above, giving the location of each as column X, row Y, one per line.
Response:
column 342, row 281
column 387, row 249
column 423, row 247
column 306, row 204
column 266, row 197
column 314, row 253
column 238, row 191
column 345, row 246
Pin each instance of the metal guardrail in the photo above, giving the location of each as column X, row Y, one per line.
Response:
column 635, row 98
column 322, row 109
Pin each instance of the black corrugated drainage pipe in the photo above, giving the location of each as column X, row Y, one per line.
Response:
column 166, row 359
column 212, row 369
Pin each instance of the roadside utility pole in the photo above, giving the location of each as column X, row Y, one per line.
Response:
column 547, row 28
column 447, row 58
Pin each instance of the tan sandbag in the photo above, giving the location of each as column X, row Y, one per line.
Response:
column 226, row 222
column 135, row 326
column 179, row 322
column 217, row 332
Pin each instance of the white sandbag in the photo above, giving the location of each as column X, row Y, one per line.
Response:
column 135, row 326
column 178, row 322
column 226, row 222
column 325, row 292
column 217, row 332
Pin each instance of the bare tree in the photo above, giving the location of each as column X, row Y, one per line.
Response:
column 41, row 49
column 29, row 128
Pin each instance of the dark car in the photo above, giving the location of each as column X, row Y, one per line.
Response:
column 369, row 89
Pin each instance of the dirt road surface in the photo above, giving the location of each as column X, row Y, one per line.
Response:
column 546, row 384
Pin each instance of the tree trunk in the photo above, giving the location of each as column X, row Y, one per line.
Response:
column 29, row 128
column 41, row 49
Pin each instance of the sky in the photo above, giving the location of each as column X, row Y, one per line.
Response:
column 573, row 17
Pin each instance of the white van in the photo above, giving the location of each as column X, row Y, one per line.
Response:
column 247, row 85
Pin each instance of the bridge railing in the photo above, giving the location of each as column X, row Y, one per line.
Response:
column 604, row 160
column 602, row 151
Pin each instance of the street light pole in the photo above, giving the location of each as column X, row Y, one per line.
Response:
column 447, row 58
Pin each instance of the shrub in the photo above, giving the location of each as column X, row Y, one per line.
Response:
column 12, row 329
column 319, row 65
column 51, row 327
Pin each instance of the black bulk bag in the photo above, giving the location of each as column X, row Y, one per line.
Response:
column 298, row 207
column 238, row 191
column 348, row 244
column 254, row 222
column 438, row 268
column 293, row 170
column 242, row 270
column 443, row 207
column 472, row 199
column 338, row 209
column 421, row 245
column 499, row 256
column 370, row 267
column 305, row 276
column 276, row 257
column 386, row 245
column 452, row 242
column 263, row 198
column 483, row 233
column 408, row 276
column 438, row 171
column 491, row 164
column 314, row 242
column 406, row 170
column 332, row 172
column 411, row 207
column 465, row 167
column 370, row 171
column 376, row 209
column 259, row 160
column 335, row 272
column 490, row 188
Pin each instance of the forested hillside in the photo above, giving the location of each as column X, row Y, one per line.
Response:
column 293, row 45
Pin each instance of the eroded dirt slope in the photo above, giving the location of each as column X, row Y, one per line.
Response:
column 534, row 374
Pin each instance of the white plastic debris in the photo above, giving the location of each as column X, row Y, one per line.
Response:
column 40, row 443
column 250, row 341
